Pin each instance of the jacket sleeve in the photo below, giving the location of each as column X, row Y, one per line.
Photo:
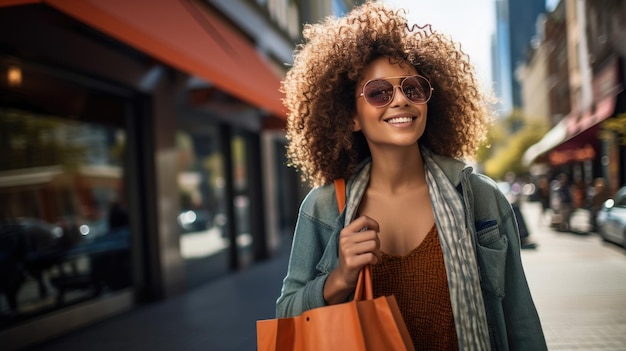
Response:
column 314, row 235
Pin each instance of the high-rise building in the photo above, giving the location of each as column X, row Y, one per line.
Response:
column 515, row 27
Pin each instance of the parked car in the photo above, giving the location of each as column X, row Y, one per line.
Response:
column 612, row 219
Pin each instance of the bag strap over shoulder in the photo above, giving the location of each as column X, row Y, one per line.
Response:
column 340, row 193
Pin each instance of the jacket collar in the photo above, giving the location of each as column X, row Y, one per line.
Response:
column 452, row 168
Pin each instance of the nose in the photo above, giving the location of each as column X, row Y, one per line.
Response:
column 397, row 92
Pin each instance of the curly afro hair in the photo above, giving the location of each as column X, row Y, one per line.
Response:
column 320, row 90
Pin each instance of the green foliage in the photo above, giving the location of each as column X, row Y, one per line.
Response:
column 616, row 125
column 507, row 140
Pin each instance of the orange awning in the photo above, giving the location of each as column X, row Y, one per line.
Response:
column 183, row 35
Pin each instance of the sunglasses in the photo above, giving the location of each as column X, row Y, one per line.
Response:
column 380, row 92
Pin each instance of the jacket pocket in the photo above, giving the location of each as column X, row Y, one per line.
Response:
column 492, row 250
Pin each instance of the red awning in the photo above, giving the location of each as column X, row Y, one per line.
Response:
column 573, row 132
column 184, row 35
column 581, row 142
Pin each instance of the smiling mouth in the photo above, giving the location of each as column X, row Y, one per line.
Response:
column 398, row 120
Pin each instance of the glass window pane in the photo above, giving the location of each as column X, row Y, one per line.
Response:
column 64, row 228
column 241, row 200
column 202, row 220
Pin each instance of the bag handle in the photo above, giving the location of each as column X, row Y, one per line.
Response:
column 364, row 289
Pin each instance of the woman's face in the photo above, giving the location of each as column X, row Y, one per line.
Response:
column 401, row 122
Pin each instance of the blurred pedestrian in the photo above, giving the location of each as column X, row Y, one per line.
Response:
column 579, row 192
column 543, row 194
column 566, row 202
column 392, row 109
column 599, row 195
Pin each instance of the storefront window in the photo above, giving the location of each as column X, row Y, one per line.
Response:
column 64, row 227
column 205, row 240
column 202, row 220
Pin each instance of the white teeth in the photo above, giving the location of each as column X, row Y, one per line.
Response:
column 400, row 120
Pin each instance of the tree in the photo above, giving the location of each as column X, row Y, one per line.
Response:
column 616, row 125
column 506, row 143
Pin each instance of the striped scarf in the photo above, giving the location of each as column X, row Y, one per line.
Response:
column 461, row 266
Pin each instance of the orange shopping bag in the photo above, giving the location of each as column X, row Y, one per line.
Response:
column 365, row 323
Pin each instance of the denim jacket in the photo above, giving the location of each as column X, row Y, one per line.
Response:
column 511, row 314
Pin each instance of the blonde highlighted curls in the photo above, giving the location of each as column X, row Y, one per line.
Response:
column 320, row 90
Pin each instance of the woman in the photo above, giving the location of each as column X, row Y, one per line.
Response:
column 392, row 110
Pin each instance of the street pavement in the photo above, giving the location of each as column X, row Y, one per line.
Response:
column 577, row 281
column 218, row 316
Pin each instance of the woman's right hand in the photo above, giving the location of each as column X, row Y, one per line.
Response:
column 359, row 245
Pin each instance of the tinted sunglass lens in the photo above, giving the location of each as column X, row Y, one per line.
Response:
column 416, row 89
column 378, row 92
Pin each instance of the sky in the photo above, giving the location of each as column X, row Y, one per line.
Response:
column 471, row 23
column 551, row 4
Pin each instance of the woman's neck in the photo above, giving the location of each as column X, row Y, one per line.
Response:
column 394, row 172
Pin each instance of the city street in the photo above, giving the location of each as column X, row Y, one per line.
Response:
column 579, row 285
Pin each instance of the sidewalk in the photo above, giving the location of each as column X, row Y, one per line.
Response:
column 220, row 315
column 578, row 284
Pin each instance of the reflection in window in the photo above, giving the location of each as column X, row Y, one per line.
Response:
column 205, row 241
column 64, row 227
column 200, row 188
column 241, row 175
column 202, row 220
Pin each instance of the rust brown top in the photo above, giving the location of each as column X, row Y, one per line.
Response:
column 420, row 285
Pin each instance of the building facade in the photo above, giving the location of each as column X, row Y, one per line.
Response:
column 579, row 145
column 545, row 82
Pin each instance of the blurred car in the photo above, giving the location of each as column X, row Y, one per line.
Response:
column 612, row 219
